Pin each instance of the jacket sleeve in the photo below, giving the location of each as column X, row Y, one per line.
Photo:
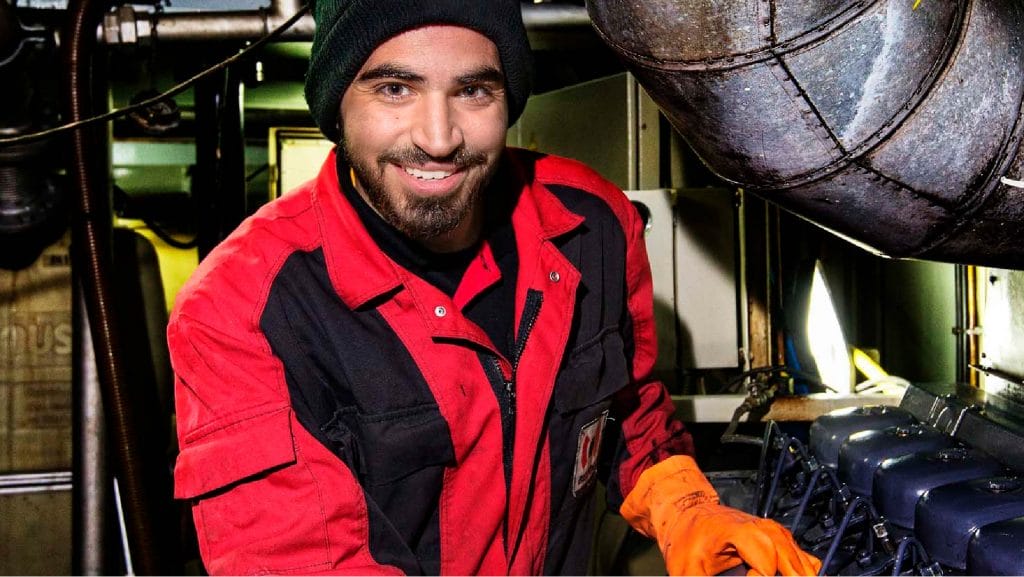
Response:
column 266, row 496
column 649, row 431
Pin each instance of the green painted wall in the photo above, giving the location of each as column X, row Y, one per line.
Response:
column 919, row 313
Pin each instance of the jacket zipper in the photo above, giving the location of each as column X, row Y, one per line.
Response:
column 505, row 389
column 531, row 310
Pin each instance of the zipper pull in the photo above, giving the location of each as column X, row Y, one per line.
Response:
column 510, row 391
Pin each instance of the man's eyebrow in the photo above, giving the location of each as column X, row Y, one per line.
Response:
column 389, row 71
column 486, row 74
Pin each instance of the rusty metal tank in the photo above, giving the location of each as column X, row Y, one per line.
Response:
column 896, row 127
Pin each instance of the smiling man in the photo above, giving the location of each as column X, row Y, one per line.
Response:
column 425, row 122
column 423, row 360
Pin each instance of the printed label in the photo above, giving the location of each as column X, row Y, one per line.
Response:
column 587, row 449
column 36, row 346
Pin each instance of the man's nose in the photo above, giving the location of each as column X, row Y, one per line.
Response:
column 436, row 130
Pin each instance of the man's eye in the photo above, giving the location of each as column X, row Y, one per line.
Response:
column 393, row 90
column 475, row 91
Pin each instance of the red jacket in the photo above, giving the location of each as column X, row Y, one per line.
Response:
column 337, row 414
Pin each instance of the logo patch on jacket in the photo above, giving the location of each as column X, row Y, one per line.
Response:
column 587, row 448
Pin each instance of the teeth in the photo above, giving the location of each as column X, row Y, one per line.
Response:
column 428, row 174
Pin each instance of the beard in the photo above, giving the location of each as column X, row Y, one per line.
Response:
column 421, row 219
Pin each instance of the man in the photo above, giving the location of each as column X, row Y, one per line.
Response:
column 423, row 360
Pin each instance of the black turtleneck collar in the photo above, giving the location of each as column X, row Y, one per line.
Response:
column 443, row 270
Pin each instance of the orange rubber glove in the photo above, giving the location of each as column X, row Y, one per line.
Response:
column 674, row 504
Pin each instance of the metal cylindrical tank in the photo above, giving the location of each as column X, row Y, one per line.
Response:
column 997, row 549
column 948, row 517
column 890, row 125
column 862, row 453
column 828, row 432
column 900, row 482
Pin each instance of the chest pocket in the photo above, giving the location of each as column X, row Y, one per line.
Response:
column 388, row 448
column 583, row 397
column 592, row 374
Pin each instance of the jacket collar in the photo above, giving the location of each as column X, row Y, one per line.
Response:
column 538, row 208
column 359, row 269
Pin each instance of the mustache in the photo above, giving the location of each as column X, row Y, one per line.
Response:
column 460, row 158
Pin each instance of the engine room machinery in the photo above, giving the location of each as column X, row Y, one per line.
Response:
column 933, row 486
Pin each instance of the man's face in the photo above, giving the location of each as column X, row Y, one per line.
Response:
column 423, row 126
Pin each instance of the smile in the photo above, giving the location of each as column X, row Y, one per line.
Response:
column 427, row 174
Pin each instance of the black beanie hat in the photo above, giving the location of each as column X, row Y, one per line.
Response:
column 348, row 31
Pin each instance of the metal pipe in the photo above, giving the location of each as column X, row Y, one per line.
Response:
column 218, row 185
column 539, row 17
column 899, row 129
column 972, row 322
column 179, row 27
column 996, row 372
column 127, row 26
column 744, row 296
column 90, row 493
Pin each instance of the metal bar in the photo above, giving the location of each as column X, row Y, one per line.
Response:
column 191, row 26
column 28, row 483
column 972, row 321
column 35, row 490
column 549, row 17
column 123, row 530
column 719, row 408
column 90, row 468
column 35, row 479
column 744, row 294
column 632, row 134
column 962, row 324
column 219, row 181
column 992, row 371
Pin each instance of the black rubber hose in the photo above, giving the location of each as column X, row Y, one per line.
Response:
column 92, row 253
column 10, row 33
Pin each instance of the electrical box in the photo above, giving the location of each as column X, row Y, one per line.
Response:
column 295, row 155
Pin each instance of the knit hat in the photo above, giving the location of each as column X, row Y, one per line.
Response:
column 348, row 31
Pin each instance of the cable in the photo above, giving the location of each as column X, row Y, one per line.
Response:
column 263, row 168
column 121, row 197
column 920, row 555
column 176, row 89
column 812, row 486
column 165, row 236
column 857, row 503
column 738, row 379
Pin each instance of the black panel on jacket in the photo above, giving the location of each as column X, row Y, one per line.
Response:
column 385, row 425
column 594, row 369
